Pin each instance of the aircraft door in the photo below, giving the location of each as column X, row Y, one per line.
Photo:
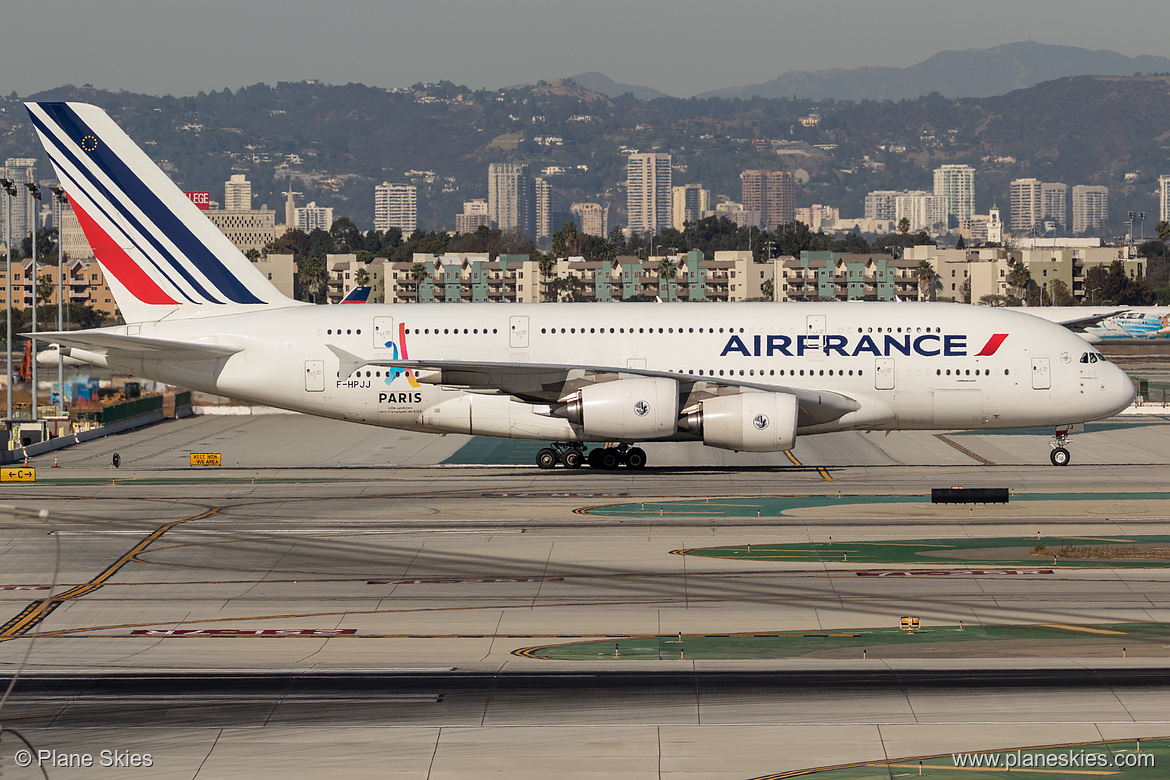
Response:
column 1041, row 374
column 883, row 374
column 383, row 332
column 315, row 376
column 815, row 328
column 518, row 332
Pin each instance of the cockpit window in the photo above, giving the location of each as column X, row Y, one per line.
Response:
column 1092, row 357
column 1085, row 357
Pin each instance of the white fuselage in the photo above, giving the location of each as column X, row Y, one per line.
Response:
column 910, row 366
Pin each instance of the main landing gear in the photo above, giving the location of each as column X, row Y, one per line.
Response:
column 573, row 456
column 1060, row 455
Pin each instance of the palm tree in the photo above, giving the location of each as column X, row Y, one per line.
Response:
column 904, row 226
column 418, row 272
column 667, row 270
column 925, row 280
column 311, row 273
column 548, row 267
column 362, row 277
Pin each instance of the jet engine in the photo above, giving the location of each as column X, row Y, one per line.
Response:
column 634, row 409
column 748, row 422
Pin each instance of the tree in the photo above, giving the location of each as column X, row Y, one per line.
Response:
column 667, row 271
column 960, row 244
column 1061, row 296
column 44, row 288
column 1019, row 278
column 608, row 252
column 548, row 269
column 566, row 242
column 568, row 288
column 311, row 276
column 253, row 254
column 904, row 226
column 418, row 273
column 925, row 280
column 768, row 290
column 362, row 277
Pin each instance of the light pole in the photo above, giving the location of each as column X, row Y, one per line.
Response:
column 62, row 203
column 10, row 189
column 36, row 193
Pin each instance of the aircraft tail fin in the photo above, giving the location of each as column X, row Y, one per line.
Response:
column 161, row 256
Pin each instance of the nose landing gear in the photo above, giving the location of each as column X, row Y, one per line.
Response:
column 1060, row 455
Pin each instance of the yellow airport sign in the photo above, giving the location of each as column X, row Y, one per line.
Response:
column 206, row 459
column 20, row 474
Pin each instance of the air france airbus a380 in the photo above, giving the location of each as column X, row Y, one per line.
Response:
column 748, row 377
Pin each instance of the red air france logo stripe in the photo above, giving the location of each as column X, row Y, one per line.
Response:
column 120, row 265
column 992, row 346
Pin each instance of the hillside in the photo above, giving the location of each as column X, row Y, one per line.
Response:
column 966, row 73
column 336, row 142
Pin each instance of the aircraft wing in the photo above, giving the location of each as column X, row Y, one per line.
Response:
column 1073, row 316
column 104, row 342
column 551, row 382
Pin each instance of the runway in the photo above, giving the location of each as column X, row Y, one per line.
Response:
column 274, row 617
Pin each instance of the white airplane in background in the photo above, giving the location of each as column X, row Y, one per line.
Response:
column 749, row 377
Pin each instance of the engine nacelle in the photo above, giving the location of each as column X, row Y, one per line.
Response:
column 748, row 422
column 634, row 409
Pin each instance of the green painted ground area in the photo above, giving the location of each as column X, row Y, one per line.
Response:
column 772, row 646
column 995, row 551
column 491, row 451
column 776, row 506
column 1132, row 759
column 1101, row 427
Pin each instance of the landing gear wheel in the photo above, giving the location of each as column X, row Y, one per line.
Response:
column 608, row 459
column 547, row 458
column 594, row 458
column 573, row 459
column 1060, row 456
column 635, row 458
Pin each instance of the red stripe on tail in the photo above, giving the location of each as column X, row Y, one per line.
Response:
column 119, row 264
column 992, row 345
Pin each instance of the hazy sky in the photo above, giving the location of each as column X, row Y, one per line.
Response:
column 679, row 46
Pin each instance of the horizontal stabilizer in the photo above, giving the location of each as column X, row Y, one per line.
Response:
column 105, row 342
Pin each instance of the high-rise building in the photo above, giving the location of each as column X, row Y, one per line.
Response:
column 543, row 208
column 590, row 218
column 772, row 194
column 473, row 216
column 312, row 217
column 1090, row 207
column 957, row 184
column 690, row 203
column 396, row 205
column 237, row 193
column 246, row 228
column 511, row 197
column 648, row 193
column 923, row 210
column 20, row 170
column 880, row 204
column 1027, row 204
column 290, row 207
column 1164, row 186
column 1054, row 203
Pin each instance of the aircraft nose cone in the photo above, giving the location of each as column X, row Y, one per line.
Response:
column 1121, row 391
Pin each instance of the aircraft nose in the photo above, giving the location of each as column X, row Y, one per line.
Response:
column 1120, row 390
